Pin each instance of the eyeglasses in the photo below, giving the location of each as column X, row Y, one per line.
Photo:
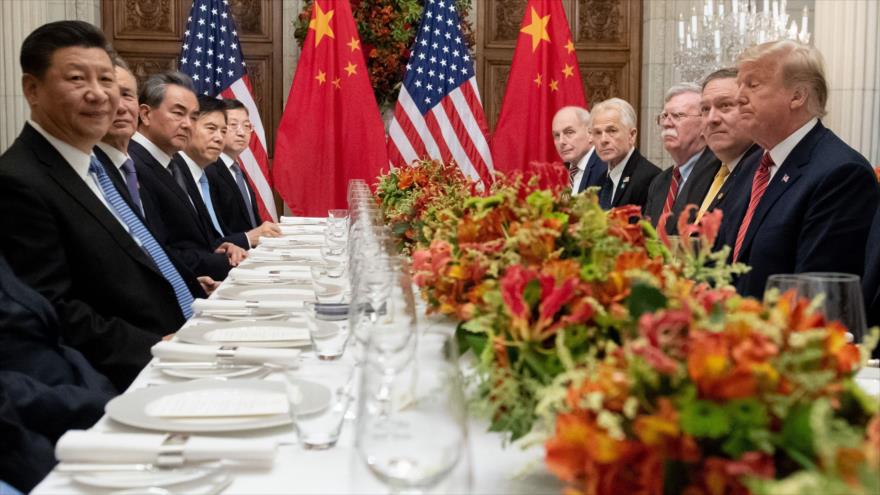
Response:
column 245, row 126
column 676, row 117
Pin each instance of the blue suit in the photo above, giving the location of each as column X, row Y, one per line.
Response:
column 813, row 217
column 46, row 388
column 592, row 173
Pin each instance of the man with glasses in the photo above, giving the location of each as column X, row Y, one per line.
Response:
column 694, row 165
column 236, row 203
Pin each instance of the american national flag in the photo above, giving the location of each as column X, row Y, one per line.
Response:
column 211, row 55
column 438, row 112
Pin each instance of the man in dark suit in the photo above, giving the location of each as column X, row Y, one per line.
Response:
column 112, row 152
column 694, row 166
column 65, row 230
column 574, row 143
column 812, row 197
column 46, row 388
column 628, row 173
column 168, row 110
column 726, row 138
column 234, row 201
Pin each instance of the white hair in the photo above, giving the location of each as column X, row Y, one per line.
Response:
column 624, row 109
column 682, row 88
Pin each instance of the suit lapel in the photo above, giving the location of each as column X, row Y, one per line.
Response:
column 789, row 172
column 623, row 185
column 731, row 179
column 66, row 178
column 226, row 176
column 196, row 197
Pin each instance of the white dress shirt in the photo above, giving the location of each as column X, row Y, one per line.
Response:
column 116, row 156
column 617, row 172
column 154, row 150
column 582, row 166
column 781, row 151
column 196, row 172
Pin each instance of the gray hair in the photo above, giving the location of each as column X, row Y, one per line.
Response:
column 582, row 114
column 153, row 91
column 624, row 109
column 682, row 88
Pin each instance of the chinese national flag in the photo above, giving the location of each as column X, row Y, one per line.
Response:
column 544, row 77
column 331, row 130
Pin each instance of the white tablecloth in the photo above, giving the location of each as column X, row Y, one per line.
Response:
column 495, row 469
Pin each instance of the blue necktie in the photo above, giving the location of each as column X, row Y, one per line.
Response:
column 606, row 193
column 206, row 197
column 131, row 181
column 140, row 232
column 242, row 188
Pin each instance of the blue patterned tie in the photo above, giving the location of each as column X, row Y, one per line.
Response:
column 131, row 182
column 206, row 197
column 145, row 238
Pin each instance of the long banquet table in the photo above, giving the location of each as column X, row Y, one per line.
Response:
column 495, row 469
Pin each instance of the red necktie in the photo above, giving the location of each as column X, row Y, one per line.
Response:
column 673, row 191
column 759, row 185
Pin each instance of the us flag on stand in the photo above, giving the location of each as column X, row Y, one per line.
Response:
column 438, row 112
column 211, row 55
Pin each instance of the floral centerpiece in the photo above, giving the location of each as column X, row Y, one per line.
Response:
column 719, row 394
column 387, row 30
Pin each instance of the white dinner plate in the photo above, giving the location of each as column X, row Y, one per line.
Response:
column 197, row 374
column 303, row 221
column 246, row 315
column 132, row 408
column 273, row 267
column 143, row 479
column 248, row 333
column 268, row 293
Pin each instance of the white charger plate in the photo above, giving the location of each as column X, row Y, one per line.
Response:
column 131, row 408
column 143, row 479
column 294, row 333
column 197, row 374
column 268, row 292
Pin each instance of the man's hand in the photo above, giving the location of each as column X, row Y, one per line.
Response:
column 208, row 284
column 268, row 229
column 234, row 253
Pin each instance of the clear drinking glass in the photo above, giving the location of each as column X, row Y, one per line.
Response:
column 782, row 283
column 411, row 430
column 841, row 299
column 328, row 328
column 320, row 430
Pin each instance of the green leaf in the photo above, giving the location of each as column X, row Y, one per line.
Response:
column 747, row 413
column 643, row 299
column 702, row 418
column 532, row 293
column 796, row 434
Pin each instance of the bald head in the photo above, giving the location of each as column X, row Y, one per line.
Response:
column 571, row 133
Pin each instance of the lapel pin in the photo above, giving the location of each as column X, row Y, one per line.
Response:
column 626, row 179
column 785, row 178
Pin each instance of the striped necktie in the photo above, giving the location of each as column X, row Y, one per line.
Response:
column 131, row 182
column 672, row 193
column 143, row 237
column 759, row 186
column 242, row 188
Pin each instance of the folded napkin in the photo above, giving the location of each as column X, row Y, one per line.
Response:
column 288, row 255
column 92, row 446
column 226, row 305
column 293, row 275
column 291, row 242
column 302, row 230
column 175, row 351
column 303, row 220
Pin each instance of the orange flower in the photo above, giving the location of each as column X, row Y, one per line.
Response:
column 568, row 450
column 845, row 355
column 660, row 429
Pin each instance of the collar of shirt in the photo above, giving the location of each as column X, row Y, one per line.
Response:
column 582, row 164
column 780, row 152
column 581, row 167
column 154, row 150
column 733, row 163
column 227, row 160
column 194, row 168
column 686, row 169
column 617, row 172
column 76, row 158
column 116, row 156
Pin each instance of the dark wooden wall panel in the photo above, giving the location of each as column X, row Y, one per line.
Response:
column 148, row 34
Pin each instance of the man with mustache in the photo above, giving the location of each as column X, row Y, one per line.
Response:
column 235, row 202
column 694, row 166
column 625, row 181
column 65, row 230
column 168, row 110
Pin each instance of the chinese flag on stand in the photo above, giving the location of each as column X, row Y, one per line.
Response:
column 331, row 130
column 544, row 77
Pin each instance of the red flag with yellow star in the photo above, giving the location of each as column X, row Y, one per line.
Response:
column 331, row 130
column 544, row 77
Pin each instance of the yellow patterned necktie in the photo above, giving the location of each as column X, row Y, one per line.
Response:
column 720, row 177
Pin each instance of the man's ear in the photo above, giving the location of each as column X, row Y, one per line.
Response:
column 144, row 114
column 799, row 98
column 30, row 85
